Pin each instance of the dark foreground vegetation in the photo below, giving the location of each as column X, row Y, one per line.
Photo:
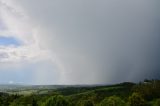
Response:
column 145, row 93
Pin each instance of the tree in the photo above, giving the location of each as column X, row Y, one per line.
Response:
column 85, row 103
column 34, row 102
column 112, row 101
column 56, row 101
column 136, row 100
column 157, row 103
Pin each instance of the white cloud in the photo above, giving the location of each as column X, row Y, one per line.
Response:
column 29, row 53
column 18, row 26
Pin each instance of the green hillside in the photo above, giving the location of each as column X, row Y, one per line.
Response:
column 145, row 93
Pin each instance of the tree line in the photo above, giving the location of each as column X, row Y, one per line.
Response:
column 146, row 93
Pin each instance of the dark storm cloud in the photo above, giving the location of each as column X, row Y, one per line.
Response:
column 102, row 41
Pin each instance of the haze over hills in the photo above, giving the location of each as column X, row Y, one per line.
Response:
column 25, row 87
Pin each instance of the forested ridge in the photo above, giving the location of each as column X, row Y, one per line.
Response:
column 146, row 93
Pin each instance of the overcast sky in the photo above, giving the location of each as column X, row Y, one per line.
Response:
column 79, row 41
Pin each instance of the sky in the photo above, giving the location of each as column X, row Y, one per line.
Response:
column 79, row 42
column 9, row 41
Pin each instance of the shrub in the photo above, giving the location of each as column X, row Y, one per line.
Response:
column 85, row 103
column 136, row 100
column 157, row 103
column 112, row 101
column 56, row 101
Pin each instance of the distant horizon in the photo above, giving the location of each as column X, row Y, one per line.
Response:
column 25, row 84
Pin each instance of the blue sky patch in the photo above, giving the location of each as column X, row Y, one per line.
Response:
column 6, row 41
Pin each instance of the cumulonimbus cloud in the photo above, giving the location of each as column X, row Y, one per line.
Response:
column 96, row 41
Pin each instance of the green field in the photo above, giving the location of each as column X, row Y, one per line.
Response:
column 145, row 93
